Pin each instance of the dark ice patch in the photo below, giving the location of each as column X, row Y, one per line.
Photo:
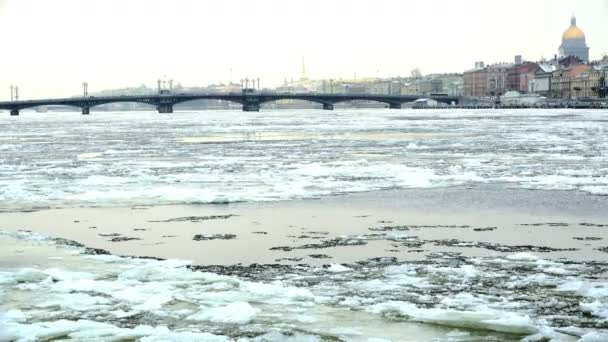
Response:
column 196, row 218
column 485, row 229
column 320, row 256
column 123, row 238
column 206, row 237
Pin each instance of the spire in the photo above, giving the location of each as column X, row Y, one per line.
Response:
column 303, row 69
column 573, row 20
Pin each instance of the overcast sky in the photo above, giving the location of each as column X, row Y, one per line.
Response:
column 50, row 47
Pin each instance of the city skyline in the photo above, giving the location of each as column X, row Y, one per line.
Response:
column 198, row 44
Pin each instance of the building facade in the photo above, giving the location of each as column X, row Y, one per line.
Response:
column 590, row 84
column 542, row 79
column 475, row 81
column 496, row 76
column 444, row 84
column 520, row 77
column 564, row 81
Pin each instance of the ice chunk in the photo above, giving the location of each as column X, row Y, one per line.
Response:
column 400, row 270
column 84, row 330
column 278, row 337
column 506, row 322
column 337, row 268
column 12, row 316
column 594, row 336
column 278, row 292
column 170, row 270
column 522, row 257
column 585, row 288
column 466, row 271
column 596, row 308
column 30, row 275
column 557, row 271
column 74, row 301
column 236, row 313
column 462, row 299
column 64, row 275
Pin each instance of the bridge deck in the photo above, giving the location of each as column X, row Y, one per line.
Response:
column 250, row 101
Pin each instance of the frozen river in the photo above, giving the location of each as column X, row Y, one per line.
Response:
column 304, row 225
column 228, row 156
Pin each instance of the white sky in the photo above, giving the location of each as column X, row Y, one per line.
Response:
column 49, row 47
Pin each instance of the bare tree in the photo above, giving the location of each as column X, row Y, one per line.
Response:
column 416, row 73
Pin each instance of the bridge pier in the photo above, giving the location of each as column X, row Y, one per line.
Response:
column 251, row 107
column 165, row 108
column 14, row 112
column 395, row 106
column 328, row 106
column 86, row 110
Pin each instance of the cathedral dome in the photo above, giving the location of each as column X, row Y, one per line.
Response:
column 573, row 32
column 573, row 43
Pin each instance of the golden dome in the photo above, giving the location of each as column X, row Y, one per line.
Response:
column 573, row 32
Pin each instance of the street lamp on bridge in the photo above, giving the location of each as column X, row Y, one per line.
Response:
column 165, row 87
column 14, row 93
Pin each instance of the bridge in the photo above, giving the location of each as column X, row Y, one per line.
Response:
column 250, row 100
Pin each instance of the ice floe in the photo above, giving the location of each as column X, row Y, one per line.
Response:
column 106, row 297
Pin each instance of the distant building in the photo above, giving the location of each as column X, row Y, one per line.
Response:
column 584, row 85
column 427, row 85
column 446, row 84
column 497, row 79
column 563, row 81
column 542, row 79
column 602, row 62
column 410, row 88
column 573, row 43
column 519, row 77
column 601, row 67
column 519, row 59
column 475, row 81
column 591, row 84
column 383, row 86
column 569, row 61
column 452, row 84
column 486, row 81
column 356, row 88
column 603, row 82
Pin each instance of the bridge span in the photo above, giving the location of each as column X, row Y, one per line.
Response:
column 250, row 101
